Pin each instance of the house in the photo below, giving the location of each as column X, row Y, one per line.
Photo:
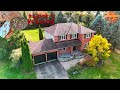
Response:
column 59, row 39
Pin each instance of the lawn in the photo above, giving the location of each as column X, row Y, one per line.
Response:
column 110, row 70
column 32, row 35
column 6, row 73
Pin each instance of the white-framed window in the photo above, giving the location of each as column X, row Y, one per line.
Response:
column 62, row 49
column 62, row 37
column 86, row 44
column 88, row 35
column 74, row 36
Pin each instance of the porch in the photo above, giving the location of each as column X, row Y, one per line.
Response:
column 76, row 54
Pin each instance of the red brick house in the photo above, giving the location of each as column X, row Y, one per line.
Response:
column 59, row 39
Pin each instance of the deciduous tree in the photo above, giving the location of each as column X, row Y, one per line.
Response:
column 99, row 48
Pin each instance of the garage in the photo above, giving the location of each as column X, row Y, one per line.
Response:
column 51, row 56
column 43, row 51
column 39, row 59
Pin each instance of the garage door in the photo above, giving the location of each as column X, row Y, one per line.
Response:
column 51, row 56
column 39, row 59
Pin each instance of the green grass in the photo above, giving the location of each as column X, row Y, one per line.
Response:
column 32, row 35
column 110, row 70
column 16, row 73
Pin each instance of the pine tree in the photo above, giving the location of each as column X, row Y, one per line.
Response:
column 99, row 24
column 60, row 18
column 40, row 33
column 24, row 15
column 113, row 34
column 26, row 56
column 3, row 49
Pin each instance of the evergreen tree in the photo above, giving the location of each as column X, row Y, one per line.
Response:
column 112, row 33
column 24, row 15
column 99, row 24
column 26, row 56
column 40, row 33
column 60, row 18
column 14, row 41
column 3, row 49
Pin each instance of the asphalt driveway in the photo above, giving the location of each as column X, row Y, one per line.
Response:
column 51, row 70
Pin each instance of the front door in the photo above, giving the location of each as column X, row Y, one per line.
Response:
column 74, row 48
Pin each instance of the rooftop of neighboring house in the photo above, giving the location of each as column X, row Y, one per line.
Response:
column 67, row 28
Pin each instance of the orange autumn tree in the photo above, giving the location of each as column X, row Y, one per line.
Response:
column 111, row 16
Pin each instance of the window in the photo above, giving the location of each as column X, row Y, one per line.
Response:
column 88, row 35
column 74, row 36
column 86, row 44
column 62, row 49
column 63, row 37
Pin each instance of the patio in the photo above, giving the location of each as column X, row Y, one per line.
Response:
column 70, row 56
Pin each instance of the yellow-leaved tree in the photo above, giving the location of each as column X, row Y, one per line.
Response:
column 99, row 48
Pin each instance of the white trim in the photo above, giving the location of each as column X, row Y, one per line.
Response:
column 62, row 37
column 88, row 35
column 74, row 36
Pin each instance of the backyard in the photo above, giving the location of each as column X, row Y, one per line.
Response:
column 32, row 35
column 110, row 70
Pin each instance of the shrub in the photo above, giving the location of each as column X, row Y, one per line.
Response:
column 15, row 58
column 89, row 61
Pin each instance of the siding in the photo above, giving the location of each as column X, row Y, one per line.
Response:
column 5, row 27
column 48, row 36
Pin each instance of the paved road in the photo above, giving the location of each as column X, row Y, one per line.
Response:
column 51, row 70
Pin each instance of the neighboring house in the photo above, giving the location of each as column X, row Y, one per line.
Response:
column 4, row 28
column 59, row 39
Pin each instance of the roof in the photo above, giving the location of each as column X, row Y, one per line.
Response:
column 42, row 46
column 67, row 28
column 64, row 44
column 9, row 15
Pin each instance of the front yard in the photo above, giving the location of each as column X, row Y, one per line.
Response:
column 110, row 70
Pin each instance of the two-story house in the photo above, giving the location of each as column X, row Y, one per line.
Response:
column 59, row 39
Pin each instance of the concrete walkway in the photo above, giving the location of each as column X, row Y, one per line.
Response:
column 51, row 70
column 71, row 63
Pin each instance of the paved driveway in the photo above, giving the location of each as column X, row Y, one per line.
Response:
column 51, row 70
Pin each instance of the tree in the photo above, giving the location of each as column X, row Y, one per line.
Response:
column 60, row 18
column 40, row 33
column 113, row 34
column 99, row 24
column 24, row 15
column 14, row 41
column 26, row 56
column 3, row 49
column 87, row 19
column 99, row 48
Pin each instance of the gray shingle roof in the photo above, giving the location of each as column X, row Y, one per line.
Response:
column 42, row 46
column 64, row 44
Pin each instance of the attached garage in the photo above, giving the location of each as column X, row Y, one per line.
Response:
column 43, row 51
column 39, row 59
column 51, row 56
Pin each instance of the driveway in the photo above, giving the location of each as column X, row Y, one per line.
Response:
column 51, row 70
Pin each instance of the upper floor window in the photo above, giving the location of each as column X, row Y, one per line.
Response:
column 74, row 36
column 63, row 37
column 88, row 35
